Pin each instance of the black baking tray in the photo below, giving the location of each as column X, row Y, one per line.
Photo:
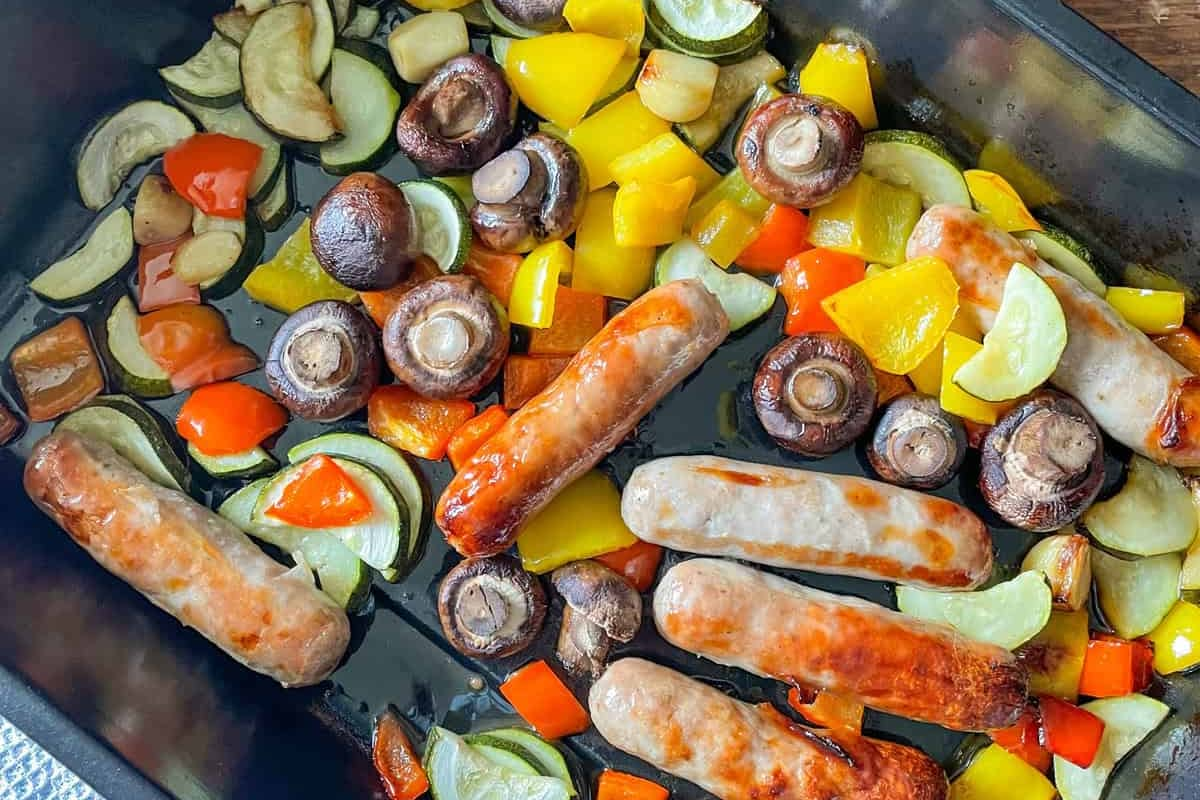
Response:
column 142, row 708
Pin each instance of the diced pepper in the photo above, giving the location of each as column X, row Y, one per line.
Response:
column 725, row 232
column 997, row 200
column 638, row 563
column 320, row 495
column 381, row 303
column 650, row 214
column 1070, row 732
column 294, row 278
column 582, row 521
column 192, row 345
column 397, row 763
column 157, row 286
column 840, row 72
column 622, row 125
column 889, row 387
column 543, row 701
column 1176, row 640
column 535, row 286
column 899, row 316
column 783, row 234
column 869, row 218
column 1148, row 310
column 997, row 774
column 956, row 350
column 57, row 370
column 10, row 425
column 213, row 171
column 732, row 187
column 601, row 265
column 525, row 376
column 1115, row 667
column 496, row 271
column 560, row 75
column 615, row 19
column 578, row 316
column 927, row 376
column 663, row 159
column 226, row 418
column 418, row 425
column 1182, row 345
column 827, row 709
column 615, row 785
column 1054, row 658
column 1024, row 740
column 808, row 278
column 471, row 435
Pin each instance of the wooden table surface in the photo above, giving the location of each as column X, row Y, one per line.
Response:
column 1164, row 32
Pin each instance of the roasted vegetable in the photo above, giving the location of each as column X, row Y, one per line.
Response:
column 1135, row 595
column 601, row 607
column 56, row 370
column 490, row 607
column 1008, row 614
column 916, row 444
column 1152, row 514
column 1066, row 561
column 364, row 233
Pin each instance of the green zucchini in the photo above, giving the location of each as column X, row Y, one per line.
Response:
column 544, row 756
column 457, row 771
column 510, row 760
column 1008, row 614
column 250, row 464
column 78, row 276
column 442, row 223
column 363, row 24
column 135, row 434
column 736, row 83
column 505, row 25
column 324, row 36
column 210, row 77
column 1136, row 595
column 274, row 209
column 461, row 186
column 137, row 133
column 129, row 363
column 231, row 280
column 367, row 104
column 234, row 24
column 1063, row 252
column 1128, row 721
column 917, row 161
column 237, row 121
column 744, row 297
column 723, row 31
column 1152, row 514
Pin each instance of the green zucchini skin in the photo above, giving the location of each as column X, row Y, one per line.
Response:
column 361, row 70
column 131, row 382
column 729, row 50
column 235, row 276
column 251, row 464
column 136, row 433
column 221, row 87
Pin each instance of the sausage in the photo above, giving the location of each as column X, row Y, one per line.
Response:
column 741, row 617
column 188, row 561
column 807, row 520
column 1138, row 394
column 738, row 751
column 618, row 376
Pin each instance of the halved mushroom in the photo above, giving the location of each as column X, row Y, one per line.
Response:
column 1042, row 465
column 541, row 15
column 800, row 150
column 815, row 393
column 491, row 607
column 323, row 362
column 917, row 444
column 600, row 607
column 461, row 117
column 364, row 233
column 531, row 194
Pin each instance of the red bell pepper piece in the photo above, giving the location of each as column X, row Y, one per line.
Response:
column 827, row 709
column 496, row 271
column 226, row 418
column 615, row 785
column 637, row 564
column 525, row 376
column 578, row 316
column 321, row 495
column 57, row 370
column 213, row 172
column 397, row 763
column 1024, row 740
column 380, row 304
column 1070, row 732
column 1115, row 667
column 418, row 425
column 157, row 285
column 473, row 433
column 192, row 345
column 810, row 277
column 544, row 701
column 783, row 234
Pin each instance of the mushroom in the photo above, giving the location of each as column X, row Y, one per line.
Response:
column 446, row 338
column 461, row 117
column 323, row 362
column 490, row 607
column 800, row 150
column 541, row 15
column 1042, row 464
column 815, row 393
column 531, row 194
column 600, row 607
column 364, row 233
column 917, row 444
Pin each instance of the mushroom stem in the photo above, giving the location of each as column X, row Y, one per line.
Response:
column 1055, row 448
column 818, row 389
column 441, row 341
column 458, row 108
column 795, row 144
column 318, row 356
column 917, row 444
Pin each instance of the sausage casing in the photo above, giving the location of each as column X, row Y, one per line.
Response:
column 639, row 356
column 188, row 561
column 774, row 628
column 739, row 751
column 807, row 520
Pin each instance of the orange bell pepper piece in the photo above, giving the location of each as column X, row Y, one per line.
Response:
column 398, row 765
column 321, row 495
column 637, row 564
column 472, row 434
column 496, row 271
column 57, row 370
column 418, row 425
column 213, row 170
column 1023, row 740
column 544, row 701
column 1115, row 667
column 192, row 345
column 1182, row 345
column 827, row 709
column 808, row 278
column 890, row 386
column 578, row 316
column 783, row 234
column 615, row 785
column 157, row 286
column 1070, row 732
column 380, row 304
column 221, row 419
column 525, row 376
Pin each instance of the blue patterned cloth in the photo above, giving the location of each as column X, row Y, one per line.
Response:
column 27, row 772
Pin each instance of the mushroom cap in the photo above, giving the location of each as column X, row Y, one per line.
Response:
column 460, row 118
column 491, row 607
column 364, row 233
column 446, row 338
column 917, row 444
column 1042, row 464
column 815, row 393
column 536, row 14
column 800, row 150
column 323, row 362
column 601, row 596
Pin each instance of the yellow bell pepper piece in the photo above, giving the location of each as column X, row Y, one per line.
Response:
column 1148, row 310
column 997, row 774
column 999, row 157
column 956, row 350
column 622, row 125
column 560, row 75
column 869, row 219
column 840, row 72
column 1177, row 639
column 536, row 284
column 899, row 316
column 997, row 200
column 650, row 214
column 731, row 187
column 601, row 265
column 927, row 377
column 583, row 521
column 616, row 19
column 663, row 159
column 1055, row 656
column 293, row 278
column 725, row 232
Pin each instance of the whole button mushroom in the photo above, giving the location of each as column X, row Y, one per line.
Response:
column 447, row 338
column 1042, row 464
column 531, row 194
column 364, row 233
column 541, row 15
column 490, row 607
column 323, row 362
column 600, row 607
column 815, row 394
column 460, row 118
column 917, row 444
column 800, row 150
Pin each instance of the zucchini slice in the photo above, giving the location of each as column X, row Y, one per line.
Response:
column 917, row 161
column 129, row 363
column 744, row 297
column 363, row 24
column 134, row 433
column 209, row 78
column 1063, row 252
column 367, row 104
column 442, row 223
column 544, row 756
column 736, row 83
column 1128, row 721
column 253, row 241
column 138, row 132
column 234, row 24
column 106, row 251
column 1152, row 514
column 510, row 760
column 323, row 38
column 1008, row 614
column 457, row 771
column 237, row 121
column 274, row 209
column 250, row 464
column 506, row 25
column 277, row 77
column 723, row 31
column 1136, row 595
